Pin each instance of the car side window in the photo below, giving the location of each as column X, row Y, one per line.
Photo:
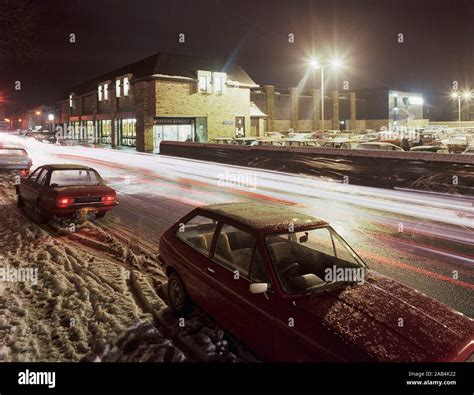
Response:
column 42, row 177
column 35, row 174
column 234, row 249
column 198, row 232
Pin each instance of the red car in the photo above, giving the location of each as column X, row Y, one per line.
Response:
column 64, row 190
column 291, row 289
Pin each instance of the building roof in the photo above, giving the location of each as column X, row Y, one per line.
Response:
column 172, row 65
column 269, row 218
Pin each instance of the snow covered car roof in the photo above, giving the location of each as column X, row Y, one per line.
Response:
column 67, row 167
column 267, row 218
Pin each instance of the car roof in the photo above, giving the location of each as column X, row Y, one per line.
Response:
column 375, row 143
column 67, row 167
column 269, row 218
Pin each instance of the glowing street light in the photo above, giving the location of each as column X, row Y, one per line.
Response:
column 38, row 113
column 336, row 63
column 466, row 95
column 315, row 64
column 50, row 117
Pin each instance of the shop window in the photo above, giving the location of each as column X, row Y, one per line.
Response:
column 129, row 133
column 106, row 131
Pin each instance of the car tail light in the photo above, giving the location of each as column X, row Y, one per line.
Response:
column 64, row 202
column 109, row 199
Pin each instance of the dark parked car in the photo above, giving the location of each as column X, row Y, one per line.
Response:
column 46, row 137
column 272, row 277
column 14, row 158
column 376, row 146
column 64, row 190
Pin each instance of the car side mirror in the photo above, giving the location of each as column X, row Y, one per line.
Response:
column 258, row 288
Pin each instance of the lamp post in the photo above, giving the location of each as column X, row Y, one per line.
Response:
column 315, row 64
column 466, row 95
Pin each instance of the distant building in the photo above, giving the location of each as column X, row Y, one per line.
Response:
column 162, row 97
column 391, row 108
column 300, row 110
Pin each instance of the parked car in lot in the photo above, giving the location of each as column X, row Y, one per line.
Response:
column 339, row 143
column 272, row 278
column 469, row 150
column 379, row 146
column 15, row 158
column 372, row 136
column 64, row 190
column 430, row 138
column 430, row 148
column 302, row 142
column 457, row 143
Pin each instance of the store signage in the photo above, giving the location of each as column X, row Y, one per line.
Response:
column 173, row 121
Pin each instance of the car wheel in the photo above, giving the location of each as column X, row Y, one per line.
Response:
column 100, row 214
column 42, row 215
column 178, row 297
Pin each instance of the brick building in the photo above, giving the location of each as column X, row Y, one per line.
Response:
column 162, row 97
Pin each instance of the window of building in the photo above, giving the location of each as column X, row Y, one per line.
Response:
column 106, row 91
column 100, row 93
column 129, row 133
column 219, row 80
column 71, row 101
column 126, row 86
column 105, row 131
column 117, row 88
column 204, row 81
column 218, row 84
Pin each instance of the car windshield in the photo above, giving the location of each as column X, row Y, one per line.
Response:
column 314, row 259
column 12, row 152
column 74, row 177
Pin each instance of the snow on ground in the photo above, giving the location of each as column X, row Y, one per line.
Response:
column 93, row 297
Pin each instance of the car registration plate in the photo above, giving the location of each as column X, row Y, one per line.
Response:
column 88, row 210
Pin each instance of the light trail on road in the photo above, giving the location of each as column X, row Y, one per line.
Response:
column 423, row 240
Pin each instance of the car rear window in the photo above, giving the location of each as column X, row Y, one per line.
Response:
column 459, row 138
column 75, row 177
column 13, row 152
column 198, row 232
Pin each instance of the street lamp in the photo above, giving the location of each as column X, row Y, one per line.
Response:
column 38, row 112
column 466, row 95
column 315, row 64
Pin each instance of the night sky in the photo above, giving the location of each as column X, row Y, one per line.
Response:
column 438, row 41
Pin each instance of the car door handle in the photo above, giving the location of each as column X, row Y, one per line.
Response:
column 212, row 271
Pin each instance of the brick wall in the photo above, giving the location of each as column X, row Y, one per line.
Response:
column 181, row 99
